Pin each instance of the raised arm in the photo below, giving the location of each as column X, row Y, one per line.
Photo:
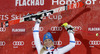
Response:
column 37, row 41
column 71, row 39
column 36, row 37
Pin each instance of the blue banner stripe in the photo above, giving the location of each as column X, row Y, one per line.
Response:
column 72, row 41
column 36, row 31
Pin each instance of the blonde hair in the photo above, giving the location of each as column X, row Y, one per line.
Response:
column 44, row 49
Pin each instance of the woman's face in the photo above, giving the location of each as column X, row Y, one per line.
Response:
column 48, row 43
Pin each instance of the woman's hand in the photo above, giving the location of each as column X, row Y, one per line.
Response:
column 69, row 28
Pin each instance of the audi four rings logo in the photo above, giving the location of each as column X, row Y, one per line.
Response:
column 55, row 28
column 2, row 29
column 34, row 43
column 18, row 43
column 40, row 28
column 2, row 43
column 94, row 42
column 78, row 42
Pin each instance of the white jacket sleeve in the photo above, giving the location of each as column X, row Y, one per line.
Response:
column 36, row 37
column 69, row 46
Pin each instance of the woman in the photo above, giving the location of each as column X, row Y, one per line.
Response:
column 48, row 47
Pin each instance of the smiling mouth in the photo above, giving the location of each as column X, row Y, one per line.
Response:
column 49, row 45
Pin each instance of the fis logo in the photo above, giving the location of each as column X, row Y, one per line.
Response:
column 17, row 43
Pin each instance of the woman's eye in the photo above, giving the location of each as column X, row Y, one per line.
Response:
column 45, row 40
